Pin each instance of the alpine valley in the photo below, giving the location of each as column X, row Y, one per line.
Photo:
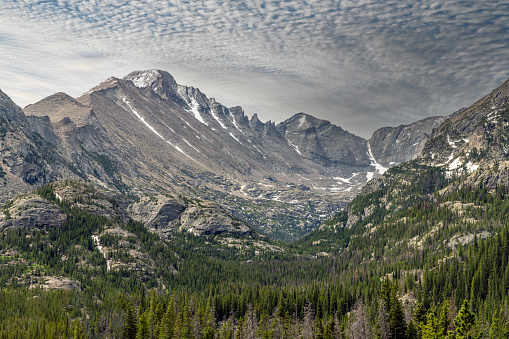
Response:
column 145, row 209
column 145, row 135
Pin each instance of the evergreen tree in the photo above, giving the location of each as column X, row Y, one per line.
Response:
column 497, row 326
column 130, row 323
column 431, row 329
column 329, row 330
column 166, row 329
column 395, row 311
column 465, row 323
column 143, row 331
column 443, row 320
column 419, row 313
column 78, row 332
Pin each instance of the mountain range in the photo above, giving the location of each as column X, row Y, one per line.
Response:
column 145, row 135
column 142, row 184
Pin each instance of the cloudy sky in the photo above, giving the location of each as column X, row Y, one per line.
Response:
column 361, row 64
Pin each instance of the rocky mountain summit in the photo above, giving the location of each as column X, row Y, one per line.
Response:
column 146, row 135
column 394, row 145
column 474, row 136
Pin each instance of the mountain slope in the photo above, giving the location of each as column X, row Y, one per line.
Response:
column 478, row 133
column 394, row 145
column 456, row 191
column 145, row 134
column 27, row 158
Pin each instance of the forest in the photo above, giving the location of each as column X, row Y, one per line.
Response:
column 370, row 283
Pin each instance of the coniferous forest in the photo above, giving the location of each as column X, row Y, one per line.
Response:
column 336, row 282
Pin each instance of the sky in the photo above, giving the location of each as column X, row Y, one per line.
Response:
column 361, row 64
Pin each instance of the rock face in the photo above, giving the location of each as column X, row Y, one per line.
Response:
column 210, row 221
column 324, row 143
column 474, row 136
column 167, row 214
column 157, row 212
column 27, row 158
column 60, row 106
column 30, row 212
column 394, row 145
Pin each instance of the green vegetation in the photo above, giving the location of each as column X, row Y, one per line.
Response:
column 428, row 259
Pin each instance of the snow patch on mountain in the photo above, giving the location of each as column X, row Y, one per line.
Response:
column 141, row 118
column 346, row 180
column 451, row 143
column 302, row 121
column 471, row 167
column 242, row 190
column 143, row 79
column 216, row 116
column 378, row 168
column 187, row 142
column 455, row 164
column 179, row 149
column 195, row 110
column 234, row 137
column 294, row 147
column 97, row 243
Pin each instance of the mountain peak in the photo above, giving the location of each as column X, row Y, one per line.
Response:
column 9, row 110
column 161, row 82
column 59, row 106
column 304, row 121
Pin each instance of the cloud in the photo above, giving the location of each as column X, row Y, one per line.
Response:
column 361, row 64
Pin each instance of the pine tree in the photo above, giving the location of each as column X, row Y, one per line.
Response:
column 396, row 317
column 77, row 332
column 419, row 313
column 130, row 323
column 497, row 326
column 166, row 329
column 227, row 330
column 329, row 331
column 443, row 321
column 431, row 330
column 143, row 331
column 465, row 323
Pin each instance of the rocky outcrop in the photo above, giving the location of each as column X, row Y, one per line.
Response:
column 167, row 214
column 478, row 132
column 31, row 211
column 60, row 106
column 211, row 221
column 157, row 212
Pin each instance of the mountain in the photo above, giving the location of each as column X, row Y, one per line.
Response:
column 27, row 158
column 474, row 136
column 426, row 242
column 455, row 192
column 394, row 145
column 147, row 135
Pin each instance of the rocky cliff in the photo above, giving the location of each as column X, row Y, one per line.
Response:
column 394, row 145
